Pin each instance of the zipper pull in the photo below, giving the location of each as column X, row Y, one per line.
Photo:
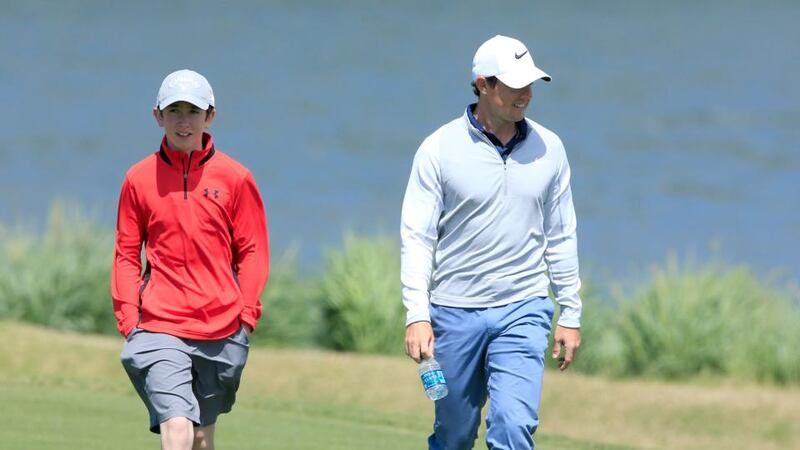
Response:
column 185, row 178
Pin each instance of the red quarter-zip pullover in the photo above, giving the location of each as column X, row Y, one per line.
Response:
column 202, row 221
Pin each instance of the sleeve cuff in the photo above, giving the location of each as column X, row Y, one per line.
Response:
column 249, row 316
column 126, row 327
column 569, row 323
column 417, row 316
column 249, row 321
column 570, row 317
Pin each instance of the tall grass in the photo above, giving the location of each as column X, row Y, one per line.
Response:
column 713, row 319
column 361, row 294
column 685, row 321
column 292, row 308
column 59, row 277
column 597, row 351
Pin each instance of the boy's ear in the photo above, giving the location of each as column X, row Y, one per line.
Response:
column 159, row 116
column 210, row 114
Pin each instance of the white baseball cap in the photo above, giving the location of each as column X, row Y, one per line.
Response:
column 507, row 59
column 187, row 86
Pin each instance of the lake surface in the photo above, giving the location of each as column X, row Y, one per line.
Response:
column 681, row 119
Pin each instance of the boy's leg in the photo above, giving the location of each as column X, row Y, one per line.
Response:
column 218, row 367
column 204, row 438
column 515, row 370
column 161, row 371
column 460, row 348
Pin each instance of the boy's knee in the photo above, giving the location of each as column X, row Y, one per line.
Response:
column 177, row 433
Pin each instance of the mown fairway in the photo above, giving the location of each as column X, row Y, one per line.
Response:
column 66, row 391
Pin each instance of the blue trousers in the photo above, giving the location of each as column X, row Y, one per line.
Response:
column 497, row 352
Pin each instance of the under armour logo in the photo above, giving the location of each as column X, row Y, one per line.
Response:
column 215, row 193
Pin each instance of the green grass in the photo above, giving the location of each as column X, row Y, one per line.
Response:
column 42, row 417
column 68, row 391
column 46, row 417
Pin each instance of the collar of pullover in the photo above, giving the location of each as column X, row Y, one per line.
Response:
column 519, row 136
column 182, row 160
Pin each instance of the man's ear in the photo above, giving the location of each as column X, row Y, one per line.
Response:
column 481, row 84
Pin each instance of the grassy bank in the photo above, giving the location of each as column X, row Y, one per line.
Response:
column 685, row 321
column 68, row 391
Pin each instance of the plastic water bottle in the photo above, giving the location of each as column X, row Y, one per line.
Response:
column 432, row 379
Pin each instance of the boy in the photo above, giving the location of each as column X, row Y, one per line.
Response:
column 188, row 316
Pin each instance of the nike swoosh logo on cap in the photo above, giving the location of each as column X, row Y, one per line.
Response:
column 520, row 56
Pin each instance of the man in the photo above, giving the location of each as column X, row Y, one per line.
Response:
column 487, row 225
column 187, row 318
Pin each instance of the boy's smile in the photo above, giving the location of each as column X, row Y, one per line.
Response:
column 184, row 124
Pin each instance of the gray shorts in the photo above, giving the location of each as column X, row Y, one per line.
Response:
column 189, row 378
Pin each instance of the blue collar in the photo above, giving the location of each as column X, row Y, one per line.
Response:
column 503, row 149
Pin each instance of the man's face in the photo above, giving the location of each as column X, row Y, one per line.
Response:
column 505, row 103
column 183, row 124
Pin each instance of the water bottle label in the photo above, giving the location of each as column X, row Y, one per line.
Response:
column 432, row 378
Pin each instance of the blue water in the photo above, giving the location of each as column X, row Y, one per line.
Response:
column 681, row 119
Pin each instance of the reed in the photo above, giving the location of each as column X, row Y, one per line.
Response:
column 59, row 277
column 686, row 320
column 714, row 319
column 362, row 308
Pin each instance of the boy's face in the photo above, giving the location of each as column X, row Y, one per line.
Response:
column 183, row 124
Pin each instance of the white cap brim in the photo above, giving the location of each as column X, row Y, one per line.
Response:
column 184, row 97
column 521, row 78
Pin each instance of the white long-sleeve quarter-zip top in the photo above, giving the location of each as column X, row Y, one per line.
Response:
column 479, row 231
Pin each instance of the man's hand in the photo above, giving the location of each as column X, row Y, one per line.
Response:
column 419, row 341
column 570, row 339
